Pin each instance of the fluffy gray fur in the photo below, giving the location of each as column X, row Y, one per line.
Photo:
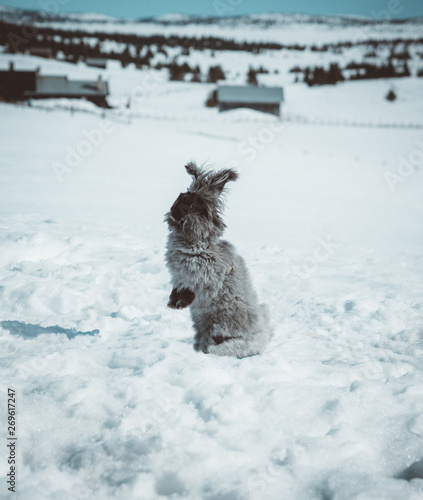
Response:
column 208, row 275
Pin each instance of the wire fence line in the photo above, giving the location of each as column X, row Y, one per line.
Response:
column 344, row 122
column 127, row 115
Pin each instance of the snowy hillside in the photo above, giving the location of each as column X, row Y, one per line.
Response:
column 11, row 14
column 275, row 27
column 113, row 402
column 279, row 48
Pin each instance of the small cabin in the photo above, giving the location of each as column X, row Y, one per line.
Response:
column 21, row 85
column 49, row 87
column 96, row 62
column 266, row 99
column 14, row 84
column 45, row 52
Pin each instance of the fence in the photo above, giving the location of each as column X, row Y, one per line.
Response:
column 125, row 116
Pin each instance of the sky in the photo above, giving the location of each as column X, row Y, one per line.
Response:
column 393, row 9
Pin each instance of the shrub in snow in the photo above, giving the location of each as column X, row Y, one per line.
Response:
column 252, row 77
column 391, row 96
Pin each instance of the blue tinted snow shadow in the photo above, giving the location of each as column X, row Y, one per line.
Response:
column 28, row 331
column 414, row 471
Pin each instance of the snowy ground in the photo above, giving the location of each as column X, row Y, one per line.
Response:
column 113, row 403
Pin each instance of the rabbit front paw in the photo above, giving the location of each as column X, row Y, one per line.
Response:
column 180, row 299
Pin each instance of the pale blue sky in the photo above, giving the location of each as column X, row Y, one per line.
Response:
column 139, row 9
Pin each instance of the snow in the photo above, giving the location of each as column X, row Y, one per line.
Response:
column 113, row 402
column 90, row 17
column 284, row 28
column 312, row 33
column 173, row 17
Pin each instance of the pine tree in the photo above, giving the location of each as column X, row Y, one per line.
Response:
column 335, row 74
column 215, row 73
column 175, row 72
column 125, row 57
column 252, row 77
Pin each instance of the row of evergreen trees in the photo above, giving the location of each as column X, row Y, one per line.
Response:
column 140, row 50
column 397, row 46
column 20, row 37
column 321, row 76
column 367, row 71
column 178, row 72
column 364, row 71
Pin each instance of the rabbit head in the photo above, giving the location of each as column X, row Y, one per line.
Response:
column 196, row 214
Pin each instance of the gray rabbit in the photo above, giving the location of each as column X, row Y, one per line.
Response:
column 208, row 275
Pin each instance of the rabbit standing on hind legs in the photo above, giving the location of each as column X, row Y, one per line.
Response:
column 208, row 275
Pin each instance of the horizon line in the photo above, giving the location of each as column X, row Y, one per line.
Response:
column 210, row 16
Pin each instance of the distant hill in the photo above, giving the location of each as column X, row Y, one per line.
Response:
column 262, row 20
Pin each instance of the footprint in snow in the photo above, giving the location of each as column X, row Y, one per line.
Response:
column 349, row 305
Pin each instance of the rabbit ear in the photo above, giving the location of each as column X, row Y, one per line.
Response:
column 192, row 169
column 219, row 179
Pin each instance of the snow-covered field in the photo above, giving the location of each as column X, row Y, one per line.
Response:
column 113, row 402
column 274, row 27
